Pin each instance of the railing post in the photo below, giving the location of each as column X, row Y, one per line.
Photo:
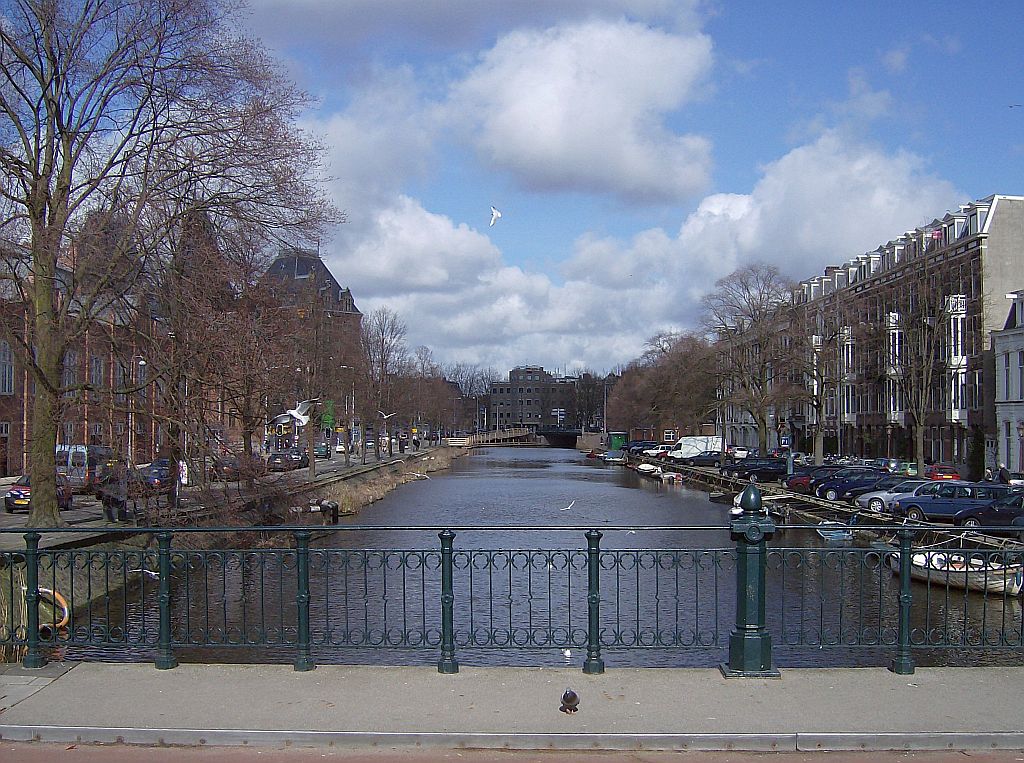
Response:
column 750, row 644
column 34, row 655
column 303, row 661
column 165, row 659
column 593, row 664
column 903, row 662
column 447, row 663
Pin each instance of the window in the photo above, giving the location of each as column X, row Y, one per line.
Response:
column 6, row 369
column 69, row 376
column 97, row 377
column 1006, row 376
column 1020, row 374
column 5, row 429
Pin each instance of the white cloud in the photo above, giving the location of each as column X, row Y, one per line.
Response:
column 895, row 59
column 583, row 108
column 820, row 204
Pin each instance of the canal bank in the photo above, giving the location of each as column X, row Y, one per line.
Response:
column 86, row 568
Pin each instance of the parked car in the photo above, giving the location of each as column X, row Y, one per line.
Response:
column 840, row 485
column 641, row 446
column 286, row 460
column 800, row 482
column 1002, row 513
column 322, row 450
column 19, row 497
column 881, row 499
column 948, row 500
column 941, row 472
column 885, row 482
column 739, row 451
column 763, row 469
column 839, row 471
column 658, row 451
column 707, row 458
column 159, row 477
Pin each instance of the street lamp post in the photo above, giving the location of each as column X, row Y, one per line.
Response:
column 137, row 362
column 348, row 439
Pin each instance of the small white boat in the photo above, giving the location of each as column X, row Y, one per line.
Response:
column 834, row 532
column 614, row 457
column 649, row 470
column 963, row 568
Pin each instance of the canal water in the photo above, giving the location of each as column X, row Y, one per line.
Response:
column 667, row 583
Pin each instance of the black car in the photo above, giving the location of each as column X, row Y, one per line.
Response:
column 760, row 469
column 1005, row 512
column 286, row 460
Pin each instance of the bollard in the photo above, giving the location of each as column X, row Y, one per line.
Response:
column 303, row 660
column 593, row 664
column 447, row 663
column 903, row 663
column 165, row 659
column 750, row 644
column 34, row 654
column 330, row 507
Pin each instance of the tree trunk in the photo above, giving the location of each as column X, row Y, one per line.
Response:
column 819, row 445
column 46, row 404
column 919, row 449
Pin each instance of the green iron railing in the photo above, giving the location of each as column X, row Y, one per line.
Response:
column 292, row 600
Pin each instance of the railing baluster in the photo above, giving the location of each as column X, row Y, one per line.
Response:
column 593, row 664
column 34, row 656
column 304, row 660
column 165, row 659
column 447, row 663
column 903, row 663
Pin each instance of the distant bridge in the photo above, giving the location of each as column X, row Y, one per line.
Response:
column 560, row 438
column 497, row 437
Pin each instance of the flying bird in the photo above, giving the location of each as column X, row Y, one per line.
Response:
column 569, row 506
column 570, row 701
column 386, row 416
column 495, row 215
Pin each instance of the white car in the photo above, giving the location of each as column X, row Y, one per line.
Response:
column 655, row 452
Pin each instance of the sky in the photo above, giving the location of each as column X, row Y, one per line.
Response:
column 638, row 150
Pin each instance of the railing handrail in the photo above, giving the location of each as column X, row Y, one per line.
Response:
column 583, row 526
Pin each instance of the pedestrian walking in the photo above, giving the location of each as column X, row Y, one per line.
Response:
column 988, row 475
column 1004, row 475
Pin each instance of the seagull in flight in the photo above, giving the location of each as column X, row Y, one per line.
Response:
column 386, row 416
column 569, row 506
column 495, row 215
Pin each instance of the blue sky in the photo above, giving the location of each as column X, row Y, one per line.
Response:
column 639, row 150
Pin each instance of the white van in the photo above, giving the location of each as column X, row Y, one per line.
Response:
column 84, row 465
column 692, row 446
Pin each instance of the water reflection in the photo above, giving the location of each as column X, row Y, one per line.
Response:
column 667, row 594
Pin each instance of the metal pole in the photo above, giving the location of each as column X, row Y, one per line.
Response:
column 165, row 659
column 303, row 661
column 903, row 663
column 447, row 663
column 750, row 644
column 34, row 655
column 593, row 664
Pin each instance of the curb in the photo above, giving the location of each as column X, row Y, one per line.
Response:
column 751, row 742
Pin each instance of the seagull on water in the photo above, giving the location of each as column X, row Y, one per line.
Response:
column 569, row 506
column 495, row 215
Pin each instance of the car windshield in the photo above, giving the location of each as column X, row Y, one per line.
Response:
column 907, row 486
column 23, row 481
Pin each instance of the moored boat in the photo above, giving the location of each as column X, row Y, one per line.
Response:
column 834, row 532
column 970, row 569
column 649, row 470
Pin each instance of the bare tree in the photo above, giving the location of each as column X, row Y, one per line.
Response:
column 383, row 339
column 744, row 315
column 142, row 111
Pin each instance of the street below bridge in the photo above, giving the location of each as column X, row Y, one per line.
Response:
column 35, row 752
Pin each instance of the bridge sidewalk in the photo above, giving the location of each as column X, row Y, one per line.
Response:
column 517, row 708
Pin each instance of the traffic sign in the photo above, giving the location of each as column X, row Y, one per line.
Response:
column 784, row 441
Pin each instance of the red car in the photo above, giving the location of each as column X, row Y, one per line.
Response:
column 939, row 472
column 20, row 495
